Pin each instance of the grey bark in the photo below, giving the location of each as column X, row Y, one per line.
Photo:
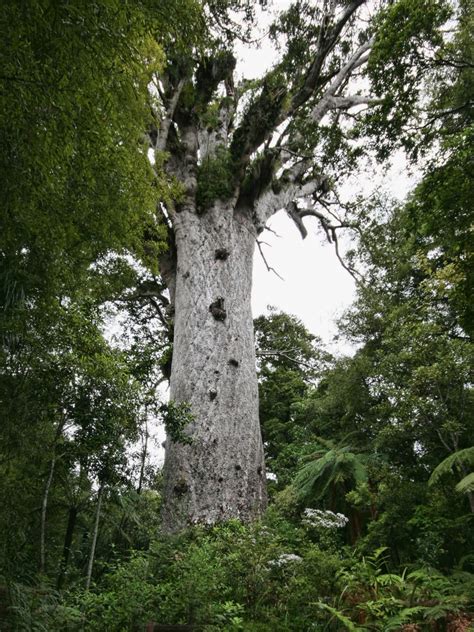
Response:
column 221, row 475
column 44, row 509
column 44, row 503
column 94, row 537
column 143, row 456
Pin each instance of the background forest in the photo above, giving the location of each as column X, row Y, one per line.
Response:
column 370, row 521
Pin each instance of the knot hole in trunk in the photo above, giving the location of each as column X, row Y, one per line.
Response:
column 217, row 309
column 221, row 254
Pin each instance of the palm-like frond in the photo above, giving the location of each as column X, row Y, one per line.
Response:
column 327, row 469
column 315, row 476
column 464, row 457
column 466, row 485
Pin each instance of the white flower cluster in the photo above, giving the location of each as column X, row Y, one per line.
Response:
column 284, row 559
column 324, row 518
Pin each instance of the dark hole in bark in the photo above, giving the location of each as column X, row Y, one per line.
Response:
column 217, row 309
column 181, row 487
column 237, row 467
column 212, row 395
column 186, row 275
column 220, row 479
column 221, row 254
column 216, row 372
column 259, row 471
column 234, row 362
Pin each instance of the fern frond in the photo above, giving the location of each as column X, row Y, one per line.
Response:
column 337, row 614
column 466, row 485
column 465, row 456
column 404, row 616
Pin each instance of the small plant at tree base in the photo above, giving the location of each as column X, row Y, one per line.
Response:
column 176, row 416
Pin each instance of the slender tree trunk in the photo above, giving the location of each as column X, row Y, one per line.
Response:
column 143, row 457
column 44, row 509
column 47, row 488
column 71, row 524
column 94, row 537
column 221, row 475
column 356, row 530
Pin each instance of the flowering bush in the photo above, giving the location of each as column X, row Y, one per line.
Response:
column 324, row 519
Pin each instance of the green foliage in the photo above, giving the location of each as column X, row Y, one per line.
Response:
column 327, row 469
column 290, row 359
column 226, row 578
column 386, row 601
column 176, row 416
column 78, row 200
column 215, row 179
column 262, row 577
column 407, row 32
column 459, row 459
column 76, row 181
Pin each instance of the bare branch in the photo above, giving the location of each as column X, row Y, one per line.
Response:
column 330, row 229
column 281, row 354
column 329, row 100
column 269, row 268
column 327, row 41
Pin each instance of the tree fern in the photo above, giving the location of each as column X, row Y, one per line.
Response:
column 461, row 457
column 329, row 468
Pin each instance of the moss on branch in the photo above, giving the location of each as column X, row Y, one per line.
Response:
column 215, row 179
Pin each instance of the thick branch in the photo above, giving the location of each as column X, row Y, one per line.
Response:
column 326, row 43
column 270, row 109
column 329, row 100
column 164, row 129
column 274, row 199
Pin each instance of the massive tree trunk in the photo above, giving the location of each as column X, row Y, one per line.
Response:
column 238, row 153
column 220, row 474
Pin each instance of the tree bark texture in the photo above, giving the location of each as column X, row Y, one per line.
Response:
column 221, row 474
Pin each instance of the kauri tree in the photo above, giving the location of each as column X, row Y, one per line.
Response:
column 349, row 76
